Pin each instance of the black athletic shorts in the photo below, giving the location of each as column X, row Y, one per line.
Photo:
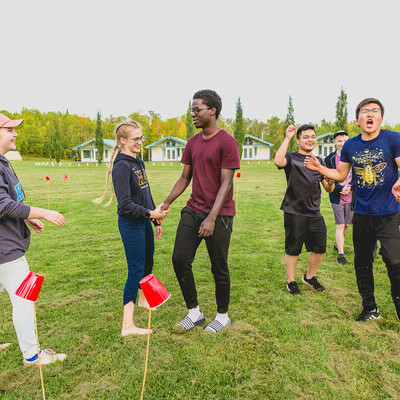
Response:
column 308, row 230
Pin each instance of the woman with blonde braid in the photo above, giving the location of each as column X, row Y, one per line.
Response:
column 135, row 210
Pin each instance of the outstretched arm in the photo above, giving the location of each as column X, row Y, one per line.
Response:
column 180, row 186
column 339, row 174
column 280, row 156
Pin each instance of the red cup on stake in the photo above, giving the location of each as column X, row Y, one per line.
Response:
column 238, row 175
column 154, row 291
column 65, row 177
column 30, row 287
column 47, row 178
column 155, row 294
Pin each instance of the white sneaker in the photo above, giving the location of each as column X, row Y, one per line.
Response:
column 47, row 356
column 3, row 346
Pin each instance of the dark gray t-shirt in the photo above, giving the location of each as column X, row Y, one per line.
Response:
column 14, row 234
column 303, row 193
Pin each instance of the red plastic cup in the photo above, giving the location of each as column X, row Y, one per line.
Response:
column 154, row 291
column 65, row 177
column 47, row 178
column 30, row 287
column 238, row 175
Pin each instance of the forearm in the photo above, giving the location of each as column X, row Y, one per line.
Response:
column 220, row 200
column 280, row 156
column 37, row 212
column 331, row 173
column 179, row 187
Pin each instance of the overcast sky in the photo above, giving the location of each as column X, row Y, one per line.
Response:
column 125, row 56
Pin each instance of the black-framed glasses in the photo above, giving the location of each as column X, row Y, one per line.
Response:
column 374, row 111
column 196, row 110
column 138, row 139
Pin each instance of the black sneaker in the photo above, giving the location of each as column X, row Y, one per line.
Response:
column 293, row 288
column 335, row 248
column 367, row 315
column 313, row 282
column 341, row 259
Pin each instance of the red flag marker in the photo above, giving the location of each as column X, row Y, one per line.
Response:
column 238, row 175
column 65, row 177
column 47, row 178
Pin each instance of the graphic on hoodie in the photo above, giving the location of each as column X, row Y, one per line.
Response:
column 141, row 178
column 20, row 192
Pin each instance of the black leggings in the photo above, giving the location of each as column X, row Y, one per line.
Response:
column 367, row 230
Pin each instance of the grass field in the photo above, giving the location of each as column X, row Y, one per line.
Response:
column 278, row 346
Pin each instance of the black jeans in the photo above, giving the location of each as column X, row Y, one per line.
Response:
column 366, row 230
column 186, row 243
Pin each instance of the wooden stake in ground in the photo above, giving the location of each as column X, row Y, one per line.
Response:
column 38, row 352
column 29, row 290
column 147, row 355
column 64, row 179
column 48, row 192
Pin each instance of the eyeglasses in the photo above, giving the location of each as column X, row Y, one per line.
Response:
column 196, row 110
column 138, row 139
column 374, row 111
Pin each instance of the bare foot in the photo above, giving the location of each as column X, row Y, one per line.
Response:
column 135, row 331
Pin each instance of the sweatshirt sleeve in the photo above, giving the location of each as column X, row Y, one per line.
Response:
column 9, row 207
column 121, row 175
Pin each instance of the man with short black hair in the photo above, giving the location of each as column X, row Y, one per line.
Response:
column 375, row 157
column 302, row 218
column 341, row 197
column 210, row 157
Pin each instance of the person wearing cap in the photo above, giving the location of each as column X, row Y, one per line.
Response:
column 341, row 197
column 374, row 156
column 14, row 242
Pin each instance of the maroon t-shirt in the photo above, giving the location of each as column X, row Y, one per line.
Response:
column 207, row 157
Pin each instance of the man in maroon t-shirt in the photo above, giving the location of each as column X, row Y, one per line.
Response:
column 210, row 158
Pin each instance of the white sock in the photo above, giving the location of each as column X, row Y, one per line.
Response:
column 223, row 318
column 194, row 313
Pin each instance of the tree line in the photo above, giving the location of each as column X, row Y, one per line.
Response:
column 54, row 134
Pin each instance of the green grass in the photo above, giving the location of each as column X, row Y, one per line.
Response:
column 278, row 346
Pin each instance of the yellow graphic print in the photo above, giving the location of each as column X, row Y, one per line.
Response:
column 141, row 177
column 369, row 172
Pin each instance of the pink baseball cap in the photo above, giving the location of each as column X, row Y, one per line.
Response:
column 6, row 122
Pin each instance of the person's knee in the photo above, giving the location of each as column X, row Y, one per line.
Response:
column 340, row 227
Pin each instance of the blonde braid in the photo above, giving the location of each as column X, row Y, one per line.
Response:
column 120, row 131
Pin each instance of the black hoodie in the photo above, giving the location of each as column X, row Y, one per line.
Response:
column 132, row 187
column 14, row 234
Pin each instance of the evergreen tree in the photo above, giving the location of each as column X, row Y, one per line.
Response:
column 341, row 111
column 239, row 131
column 290, row 121
column 99, row 139
column 190, row 128
column 56, row 142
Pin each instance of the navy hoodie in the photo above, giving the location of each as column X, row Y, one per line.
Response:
column 14, row 233
column 132, row 187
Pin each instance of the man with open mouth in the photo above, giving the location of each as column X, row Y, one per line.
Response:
column 375, row 157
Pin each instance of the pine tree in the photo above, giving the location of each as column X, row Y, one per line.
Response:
column 190, row 128
column 290, row 121
column 341, row 111
column 239, row 130
column 56, row 145
column 99, row 139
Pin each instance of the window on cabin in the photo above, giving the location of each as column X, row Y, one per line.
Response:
column 250, row 153
column 244, row 153
column 86, row 153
